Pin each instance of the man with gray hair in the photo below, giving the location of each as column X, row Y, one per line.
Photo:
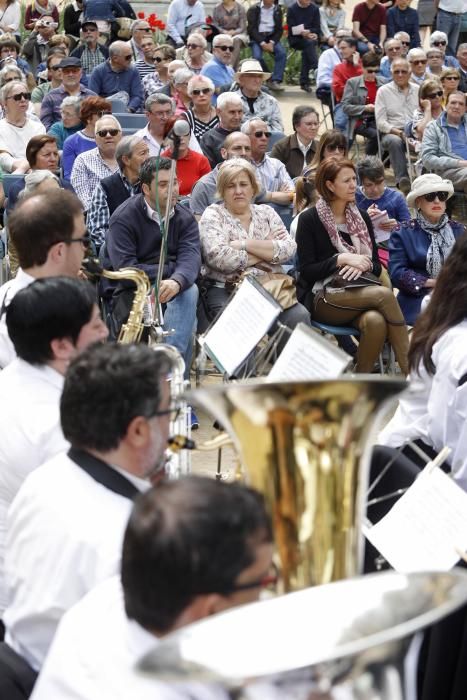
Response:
column 230, row 112
column 257, row 104
column 117, row 78
column 219, row 68
column 439, row 40
column 140, row 29
column 130, row 154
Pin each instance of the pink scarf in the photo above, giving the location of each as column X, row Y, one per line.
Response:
column 356, row 227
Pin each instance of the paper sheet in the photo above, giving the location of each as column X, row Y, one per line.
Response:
column 244, row 321
column 298, row 29
column 426, row 527
column 307, row 355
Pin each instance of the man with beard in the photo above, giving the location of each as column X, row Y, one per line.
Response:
column 66, row 524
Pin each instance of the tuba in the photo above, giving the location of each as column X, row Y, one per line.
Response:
column 305, row 446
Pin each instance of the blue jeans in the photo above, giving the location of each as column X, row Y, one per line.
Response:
column 280, row 59
column 180, row 316
column 341, row 120
column 450, row 24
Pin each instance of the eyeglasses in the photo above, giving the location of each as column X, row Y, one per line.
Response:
column 193, row 46
column 158, row 59
column 268, row 581
column 20, row 96
column 405, row 43
column 143, row 29
column 401, row 71
column 201, row 91
column 419, row 61
column 439, row 43
column 451, row 77
column 173, row 412
column 260, row 134
column 225, row 48
column 108, row 132
column 372, row 70
column 432, row 95
column 336, row 148
column 84, row 240
column 54, row 68
column 431, row 196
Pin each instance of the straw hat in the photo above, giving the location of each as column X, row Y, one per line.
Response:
column 251, row 67
column 428, row 183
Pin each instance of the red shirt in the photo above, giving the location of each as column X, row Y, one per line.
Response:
column 189, row 170
column 371, row 88
column 370, row 20
column 340, row 75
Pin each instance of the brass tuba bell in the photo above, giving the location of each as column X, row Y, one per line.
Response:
column 305, row 447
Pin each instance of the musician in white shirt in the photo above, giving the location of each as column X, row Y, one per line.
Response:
column 66, row 524
column 49, row 322
column 49, row 235
column 192, row 548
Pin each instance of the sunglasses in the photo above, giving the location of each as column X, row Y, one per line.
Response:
column 201, row 91
column 225, row 48
column 431, row 196
column 400, row 72
column 419, row 61
column 439, row 43
column 193, row 46
column 143, row 29
column 128, row 57
column 108, row 132
column 432, row 95
column 405, row 43
column 451, row 77
column 372, row 70
column 260, row 134
column 54, row 68
column 158, row 59
column 20, row 96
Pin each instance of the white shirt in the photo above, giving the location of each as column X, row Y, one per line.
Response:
column 266, row 20
column 14, row 139
column 7, row 292
column 95, row 651
column 454, row 6
column 30, row 432
column 181, row 16
column 65, row 533
column 155, row 147
column 328, row 60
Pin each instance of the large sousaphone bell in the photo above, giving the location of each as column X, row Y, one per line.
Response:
column 305, row 447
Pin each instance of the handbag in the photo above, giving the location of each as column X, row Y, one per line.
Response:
column 280, row 286
column 367, row 279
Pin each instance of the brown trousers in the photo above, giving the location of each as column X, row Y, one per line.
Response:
column 375, row 312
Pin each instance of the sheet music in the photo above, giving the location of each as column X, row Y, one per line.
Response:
column 308, row 355
column 426, row 528
column 245, row 320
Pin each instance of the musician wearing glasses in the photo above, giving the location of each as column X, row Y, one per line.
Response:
column 16, row 128
column 419, row 247
column 358, row 102
column 71, row 86
column 444, row 145
column 257, row 103
column 92, row 166
column 219, row 68
column 73, row 510
column 117, row 78
column 192, row 548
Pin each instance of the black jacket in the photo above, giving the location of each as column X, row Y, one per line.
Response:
column 308, row 16
column 316, row 255
column 253, row 17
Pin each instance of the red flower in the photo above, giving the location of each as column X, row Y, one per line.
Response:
column 209, row 19
column 161, row 25
column 141, row 15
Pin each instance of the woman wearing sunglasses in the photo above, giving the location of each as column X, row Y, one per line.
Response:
column 430, row 101
column 201, row 116
column 331, row 144
column 450, row 79
column 195, row 52
column 16, row 128
column 419, row 247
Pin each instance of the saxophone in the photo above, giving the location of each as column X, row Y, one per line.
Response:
column 178, row 457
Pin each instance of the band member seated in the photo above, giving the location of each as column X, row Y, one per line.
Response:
column 66, row 525
column 192, row 548
column 134, row 240
column 49, row 322
column 49, row 235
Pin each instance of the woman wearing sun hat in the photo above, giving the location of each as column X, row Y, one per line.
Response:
column 419, row 247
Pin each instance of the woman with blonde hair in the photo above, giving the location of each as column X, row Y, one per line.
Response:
column 339, row 269
column 430, row 101
column 239, row 237
column 450, row 79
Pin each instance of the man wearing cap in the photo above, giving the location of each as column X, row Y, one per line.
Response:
column 256, row 103
column 264, row 26
column 117, row 78
column 444, row 144
column 89, row 51
column 71, row 85
column 218, row 69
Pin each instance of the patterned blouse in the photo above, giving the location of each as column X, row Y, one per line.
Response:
column 198, row 127
column 227, row 20
column 152, row 83
column 218, row 227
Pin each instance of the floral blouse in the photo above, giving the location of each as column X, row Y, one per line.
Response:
column 218, row 227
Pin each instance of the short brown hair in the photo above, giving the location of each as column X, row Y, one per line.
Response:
column 370, row 59
column 34, row 229
column 93, row 105
column 34, row 146
column 456, row 92
column 328, row 171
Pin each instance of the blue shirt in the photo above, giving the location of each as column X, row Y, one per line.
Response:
column 72, row 147
column 391, row 200
column 403, row 21
column 457, row 137
column 106, row 82
column 219, row 73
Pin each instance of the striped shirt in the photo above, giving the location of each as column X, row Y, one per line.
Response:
column 198, row 127
column 144, row 69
